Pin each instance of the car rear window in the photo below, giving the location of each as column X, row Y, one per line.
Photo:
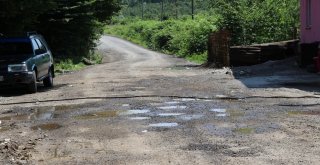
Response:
column 15, row 47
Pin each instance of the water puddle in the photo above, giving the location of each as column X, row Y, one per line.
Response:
column 245, row 130
column 64, row 107
column 139, row 118
column 293, row 113
column 135, row 112
column 46, row 127
column 43, row 113
column 221, row 96
column 185, row 99
column 170, row 114
column 190, row 117
column 173, row 107
column 97, row 115
column 227, row 113
column 16, row 117
column 172, row 102
column 221, row 115
column 164, row 125
column 218, row 110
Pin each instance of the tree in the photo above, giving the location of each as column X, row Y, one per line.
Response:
column 70, row 26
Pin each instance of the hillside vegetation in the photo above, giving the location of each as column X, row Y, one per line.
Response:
column 168, row 27
column 70, row 27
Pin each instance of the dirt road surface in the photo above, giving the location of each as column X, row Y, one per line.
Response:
column 141, row 107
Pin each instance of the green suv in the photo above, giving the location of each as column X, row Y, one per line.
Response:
column 25, row 61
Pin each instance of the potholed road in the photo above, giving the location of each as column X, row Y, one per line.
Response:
column 142, row 107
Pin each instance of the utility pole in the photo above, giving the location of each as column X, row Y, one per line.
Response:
column 192, row 8
column 142, row 9
column 176, row 3
column 162, row 8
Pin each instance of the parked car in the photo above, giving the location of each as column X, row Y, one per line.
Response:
column 25, row 61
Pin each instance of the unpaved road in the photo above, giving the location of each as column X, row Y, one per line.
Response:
column 141, row 107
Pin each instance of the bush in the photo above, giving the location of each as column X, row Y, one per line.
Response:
column 179, row 37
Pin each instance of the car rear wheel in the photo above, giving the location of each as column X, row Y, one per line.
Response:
column 48, row 81
column 32, row 87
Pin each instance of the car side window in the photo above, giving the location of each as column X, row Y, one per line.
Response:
column 35, row 45
column 41, row 45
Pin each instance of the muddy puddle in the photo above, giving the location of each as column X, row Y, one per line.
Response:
column 293, row 113
column 43, row 113
column 97, row 115
column 46, row 127
column 113, row 114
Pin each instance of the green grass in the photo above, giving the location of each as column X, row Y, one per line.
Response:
column 68, row 65
column 75, row 63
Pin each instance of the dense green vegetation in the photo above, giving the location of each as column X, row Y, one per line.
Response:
column 171, row 30
column 70, row 27
column 185, row 38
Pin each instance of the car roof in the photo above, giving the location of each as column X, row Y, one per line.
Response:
column 12, row 40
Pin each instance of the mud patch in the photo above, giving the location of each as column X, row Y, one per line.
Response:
column 46, row 127
column 246, row 130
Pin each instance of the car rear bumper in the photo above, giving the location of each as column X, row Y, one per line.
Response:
column 15, row 79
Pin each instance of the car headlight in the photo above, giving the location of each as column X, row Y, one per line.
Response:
column 17, row 68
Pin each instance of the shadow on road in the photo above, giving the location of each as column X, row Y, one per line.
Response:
column 278, row 74
column 20, row 91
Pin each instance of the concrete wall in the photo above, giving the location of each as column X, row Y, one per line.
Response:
column 310, row 34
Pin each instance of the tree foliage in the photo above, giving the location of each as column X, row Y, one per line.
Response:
column 258, row 21
column 70, row 26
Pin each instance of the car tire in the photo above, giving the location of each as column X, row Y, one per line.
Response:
column 32, row 87
column 48, row 81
